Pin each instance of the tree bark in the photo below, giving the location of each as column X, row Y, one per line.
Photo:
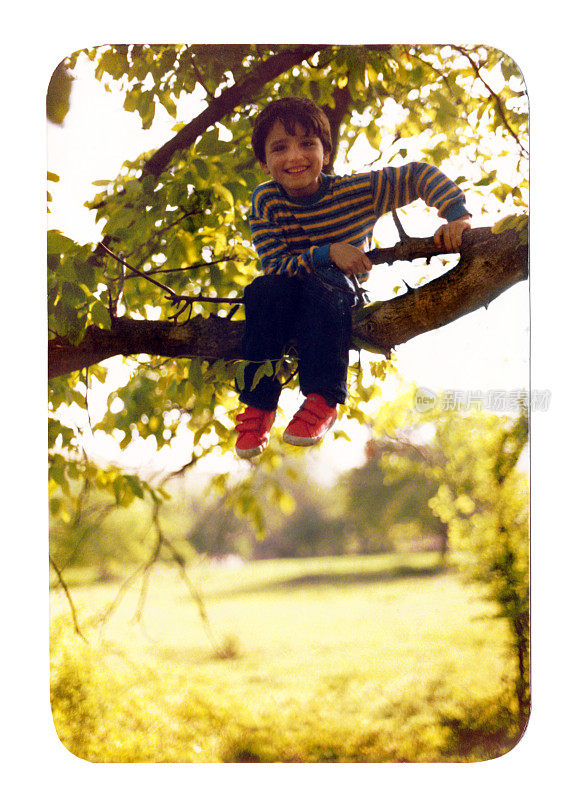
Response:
column 489, row 264
column 335, row 115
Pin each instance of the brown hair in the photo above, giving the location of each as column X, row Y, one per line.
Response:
column 288, row 111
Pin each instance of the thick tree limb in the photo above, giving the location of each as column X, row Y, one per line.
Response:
column 489, row 264
column 211, row 338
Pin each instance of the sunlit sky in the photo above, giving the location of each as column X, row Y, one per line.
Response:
column 486, row 350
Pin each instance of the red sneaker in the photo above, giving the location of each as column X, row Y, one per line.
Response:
column 253, row 431
column 311, row 422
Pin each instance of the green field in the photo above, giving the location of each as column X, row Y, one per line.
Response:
column 356, row 659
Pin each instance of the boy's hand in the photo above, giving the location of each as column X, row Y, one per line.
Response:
column 449, row 236
column 350, row 259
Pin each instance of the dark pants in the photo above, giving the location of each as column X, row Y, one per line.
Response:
column 279, row 308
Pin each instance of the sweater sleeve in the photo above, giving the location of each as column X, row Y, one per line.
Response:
column 270, row 243
column 275, row 256
column 394, row 187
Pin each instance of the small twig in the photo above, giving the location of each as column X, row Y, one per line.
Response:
column 404, row 237
column 136, row 271
column 407, row 250
column 199, row 77
column 194, row 594
column 145, row 570
column 200, row 298
column 87, row 403
column 188, row 302
column 68, row 596
column 108, row 611
column 171, row 295
column 196, row 265
column 493, row 94
column 176, row 316
column 90, row 527
column 177, row 473
column 111, row 305
column 158, row 233
column 434, row 69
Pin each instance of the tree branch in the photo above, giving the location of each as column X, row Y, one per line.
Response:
column 490, row 263
column 335, row 115
column 227, row 101
column 65, row 588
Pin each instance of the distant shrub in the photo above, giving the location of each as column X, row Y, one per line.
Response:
column 483, row 730
column 74, row 701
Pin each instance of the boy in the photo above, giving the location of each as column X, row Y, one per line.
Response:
column 310, row 231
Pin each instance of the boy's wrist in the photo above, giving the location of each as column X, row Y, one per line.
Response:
column 457, row 211
column 320, row 256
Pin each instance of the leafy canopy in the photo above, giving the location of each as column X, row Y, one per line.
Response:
column 184, row 220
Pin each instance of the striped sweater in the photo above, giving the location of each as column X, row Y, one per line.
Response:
column 293, row 235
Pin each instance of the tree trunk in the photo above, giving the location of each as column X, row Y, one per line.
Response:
column 490, row 263
column 523, row 681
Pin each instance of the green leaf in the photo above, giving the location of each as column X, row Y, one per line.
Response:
column 240, row 374
column 520, row 223
column 257, row 376
column 57, row 243
column 130, row 101
column 134, row 485
column 146, row 108
column 265, row 369
column 211, row 145
column 168, row 104
column 202, row 168
column 196, row 377
column 437, row 154
column 487, row 180
column 513, row 221
column 100, row 315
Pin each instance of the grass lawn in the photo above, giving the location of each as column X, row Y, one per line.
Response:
column 367, row 658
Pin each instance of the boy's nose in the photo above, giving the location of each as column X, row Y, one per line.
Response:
column 295, row 153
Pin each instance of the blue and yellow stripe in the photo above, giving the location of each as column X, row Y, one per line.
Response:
column 292, row 235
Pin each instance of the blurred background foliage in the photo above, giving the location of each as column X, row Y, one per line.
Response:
column 444, row 488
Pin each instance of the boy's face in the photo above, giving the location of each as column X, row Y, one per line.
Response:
column 296, row 161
